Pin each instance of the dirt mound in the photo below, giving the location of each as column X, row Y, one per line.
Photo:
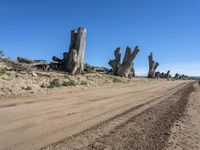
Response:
column 16, row 79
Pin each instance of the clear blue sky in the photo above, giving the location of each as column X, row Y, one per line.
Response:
column 170, row 29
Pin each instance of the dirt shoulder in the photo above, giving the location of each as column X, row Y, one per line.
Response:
column 30, row 82
column 185, row 134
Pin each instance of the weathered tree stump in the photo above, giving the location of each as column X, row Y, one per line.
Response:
column 162, row 75
column 116, row 62
column 177, row 76
column 73, row 60
column 168, row 74
column 157, row 74
column 152, row 66
column 125, row 69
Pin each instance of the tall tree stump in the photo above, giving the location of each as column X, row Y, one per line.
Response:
column 152, row 66
column 116, row 62
column 168, row 74
column 74, row 58
column 125, row 69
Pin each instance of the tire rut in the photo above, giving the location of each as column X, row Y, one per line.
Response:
column 149, row 130
column 143, row 127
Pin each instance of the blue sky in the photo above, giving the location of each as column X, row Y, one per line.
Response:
column 170, row 29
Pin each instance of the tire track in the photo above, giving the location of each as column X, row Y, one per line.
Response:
column 143, row 127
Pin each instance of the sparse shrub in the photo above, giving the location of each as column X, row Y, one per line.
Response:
column 83, row 82
column 54, row 83
column 69, row 83
column 65, row 83
column 116, row 80
column 67, row 77
column 2, row 71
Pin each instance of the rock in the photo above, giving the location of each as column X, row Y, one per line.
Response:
column 34, row 74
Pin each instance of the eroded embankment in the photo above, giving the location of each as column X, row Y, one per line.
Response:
column 146, row 126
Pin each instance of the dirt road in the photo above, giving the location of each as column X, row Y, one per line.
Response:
column 96, row 118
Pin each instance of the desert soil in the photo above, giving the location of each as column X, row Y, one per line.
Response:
column 185, row 133
column 139, row 115
column 30, row 82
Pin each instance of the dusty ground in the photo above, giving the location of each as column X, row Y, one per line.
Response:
column 185, row 134
column 20, row 83
column 144, row 127
column 93, row 117
column 96, row 111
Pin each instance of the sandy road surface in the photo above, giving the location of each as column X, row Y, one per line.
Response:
column 185, row 133
column 36, row 121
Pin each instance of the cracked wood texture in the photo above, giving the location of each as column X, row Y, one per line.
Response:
column 152, row 66
column 74, row 58
column 125, row 69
